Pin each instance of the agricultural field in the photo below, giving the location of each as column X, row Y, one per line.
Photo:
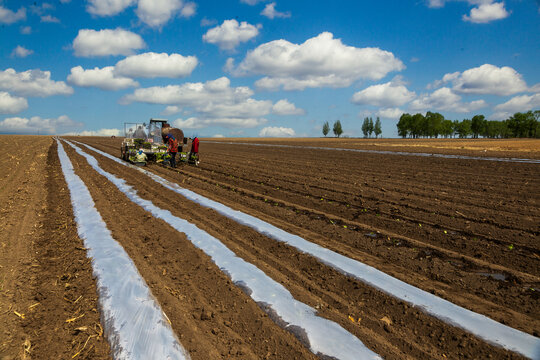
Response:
column 464, row 230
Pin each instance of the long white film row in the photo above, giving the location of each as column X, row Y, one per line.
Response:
column 477, row 324
column 320, row 335
column 132, row 319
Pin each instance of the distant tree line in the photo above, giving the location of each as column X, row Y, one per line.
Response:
column 369, row 128
column 433, row 124
column 337, row 129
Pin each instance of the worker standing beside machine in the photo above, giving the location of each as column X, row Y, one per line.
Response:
column 194, row 153
column 172, row 144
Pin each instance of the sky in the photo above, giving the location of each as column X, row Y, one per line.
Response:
column 257, row 68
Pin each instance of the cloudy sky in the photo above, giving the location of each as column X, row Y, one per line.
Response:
column 262, row 68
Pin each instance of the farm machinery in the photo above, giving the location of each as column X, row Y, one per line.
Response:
column 150, row 140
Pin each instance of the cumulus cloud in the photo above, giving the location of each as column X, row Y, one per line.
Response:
column 200, row 123
column 486, row 79
column 151, row 65
column 445, row 99
column 251, row 2
column 21, row 52
column 9, row 17
column 171, row 110
column 218, row 136
column 104, row 78
column 38, row 125
column 230, row 34
column 273, row 131
column 486, row 13
column 188, row 10
column 156, row 13
column 385, row 95
column 321, row 61
column 389, row 113
column 208, row 22
column 100, row 132
column 108, row 7
column 90, row 43
column 11, row 104
column 284, row 107
column 271, row 12
column 215, row 102
column 32, row 83
column 26, row 30
column 520, row 103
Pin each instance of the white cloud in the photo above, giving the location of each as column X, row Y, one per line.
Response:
column 201, row 123
column 9, row 17
column 208, row 22
column 218, row 136
column 21, row 52
column 284, row 107
column 11, row 104
column 521, row 103
column 230, row 34
column 104, row 78
column 188, row 10
column 108, row 7
column 273, row 131
column 271, row 12
column 486, row 13
column 445, row 99
column 89, row 43
column 49, row 19
column 100, row 132
column 32, row 83
column 171, row 110
column 486, row 79
column 26, row 30
column 215, row 102
column 38, row 125
column 156, row 13
column 385, row 95
column 389, row 113
column 151, row 65
column 251, row 2
column 321, row 61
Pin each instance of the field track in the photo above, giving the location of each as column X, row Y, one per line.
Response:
column 464, row 230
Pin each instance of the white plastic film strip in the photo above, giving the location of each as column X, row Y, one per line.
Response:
column 133, row 321
column 482, row 326
column 323, row 337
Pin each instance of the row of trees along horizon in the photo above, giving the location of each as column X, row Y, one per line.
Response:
column 368, row 128
column 433, row 124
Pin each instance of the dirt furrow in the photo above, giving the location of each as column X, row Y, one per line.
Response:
column 264, row 253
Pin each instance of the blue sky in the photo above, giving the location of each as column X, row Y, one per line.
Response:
column 262, row 68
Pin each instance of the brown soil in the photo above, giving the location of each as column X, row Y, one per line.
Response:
column 519, row 148
column 438, row 224
column 48, row 307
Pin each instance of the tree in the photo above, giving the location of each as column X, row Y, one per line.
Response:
column 325, row 128
column 365, row 126
column 447, row 128
column 403, row 125
column 464, row 128
column 478, row 125
column 337, row 128
column 370, row 126
column 377, row 129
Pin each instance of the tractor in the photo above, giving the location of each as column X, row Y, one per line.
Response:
column 150, row 140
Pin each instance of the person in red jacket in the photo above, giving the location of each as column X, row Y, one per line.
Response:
column 172, row 144
column 194, row 153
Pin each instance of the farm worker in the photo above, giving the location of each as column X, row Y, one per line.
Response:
column 139, row 133
column 194, row 149
column 172, row 148
column 141, row 156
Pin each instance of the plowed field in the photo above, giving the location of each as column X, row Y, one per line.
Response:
column 465, row 230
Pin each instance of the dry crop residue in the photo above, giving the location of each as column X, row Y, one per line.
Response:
column 48, row 305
